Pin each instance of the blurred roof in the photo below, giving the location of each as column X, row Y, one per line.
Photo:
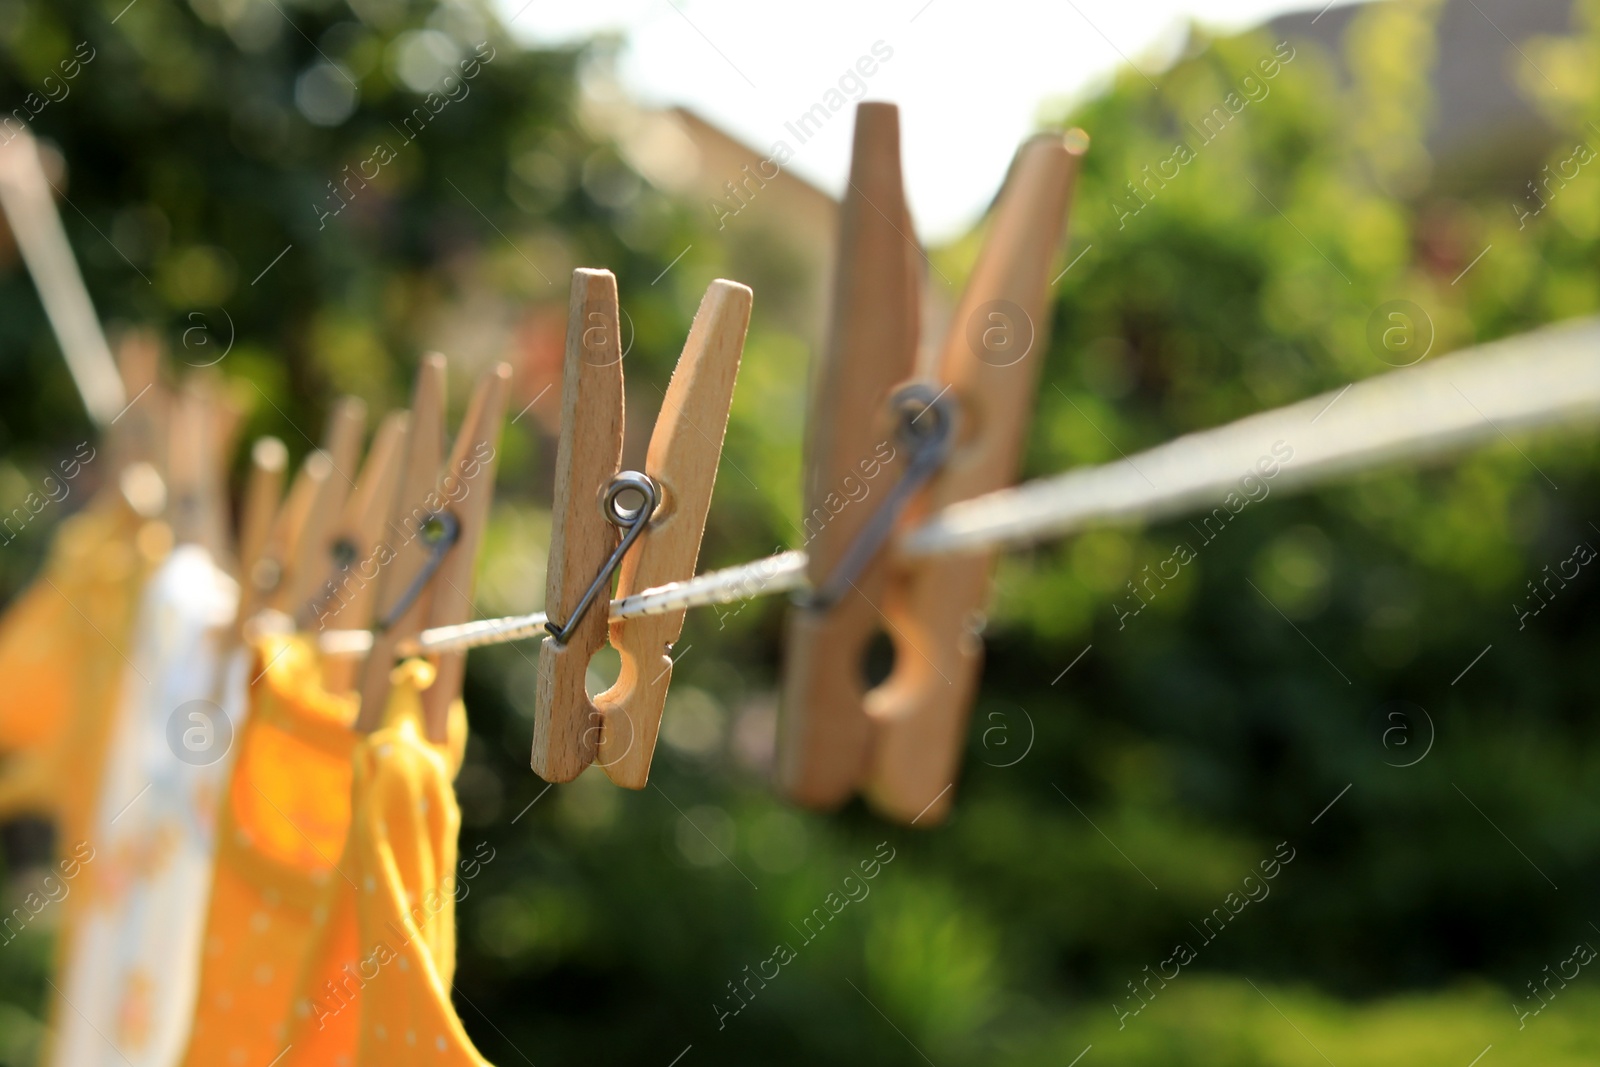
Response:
column 1483, row 126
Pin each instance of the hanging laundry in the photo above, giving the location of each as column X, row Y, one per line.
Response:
column 128, row 985
column 376, row 989
column 61, row 645
column 282, row 825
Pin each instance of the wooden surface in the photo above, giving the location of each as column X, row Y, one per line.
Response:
column 224, row 421
column 272, row 568
column 991, row 360
column 566, row 724
column 412, row 505
column 269, row 461
column 188, row 449
column 467, row 485
column 202, row 427
column 138, row 434
column 308, row 567
column 346, row 597
column 685, row 448
column 871, row 349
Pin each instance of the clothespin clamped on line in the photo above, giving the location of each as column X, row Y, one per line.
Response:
column 276, row 567
column 435, row 528
column 395, row 549
column 654, row 541
column 136, row 441
column 203, row 431
column 931, row 442
column 352, row 552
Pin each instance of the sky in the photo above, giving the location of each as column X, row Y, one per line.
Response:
column 970, row 77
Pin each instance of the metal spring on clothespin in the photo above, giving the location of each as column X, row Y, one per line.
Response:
column 930, row 445
column 632, row 521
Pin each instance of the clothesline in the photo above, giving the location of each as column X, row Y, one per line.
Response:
column 1546, row 377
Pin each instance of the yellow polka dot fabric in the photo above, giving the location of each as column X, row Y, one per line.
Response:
column 283, row 826
column 377, row 989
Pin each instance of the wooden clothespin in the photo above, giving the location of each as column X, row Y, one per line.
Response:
column 203, row 431
column 262, row 497
column 138, row 435
column 685, row 448
column 654, row 540
column 566, row 724
column 432, row 537
column 851, row 448
column 293, row 543
column 467, row 486
column 189, row 490
column 308, row 567
column 356, row 550
column 269, row 574
column 902, row 740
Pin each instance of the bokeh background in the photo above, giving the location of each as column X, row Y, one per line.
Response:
column 1433, row 152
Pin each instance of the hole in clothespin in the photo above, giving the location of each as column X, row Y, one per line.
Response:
column 921, row 415
column 344, row 553
column 604, row 667
column 877, row 660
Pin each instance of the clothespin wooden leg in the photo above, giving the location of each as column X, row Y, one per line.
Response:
column 137, row 434
column 189, row 444
column 294, row 544
column 434, row 533
column 262, row 494
column 851, row 448
column 270, row 575
column 566, row 724
column 308, row 567
column 356, row 549
column 468, row 487
column 403, row 597
column 684, row 451
column 990, row 362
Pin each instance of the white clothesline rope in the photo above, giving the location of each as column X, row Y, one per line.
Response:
column 1547, row 377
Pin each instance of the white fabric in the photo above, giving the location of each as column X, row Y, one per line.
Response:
column 130, row 976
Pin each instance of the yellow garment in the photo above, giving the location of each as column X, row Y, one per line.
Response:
column 62, row 649
column 376, row 989
column 285, row 820
column 38, row 650
column 37, row 661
